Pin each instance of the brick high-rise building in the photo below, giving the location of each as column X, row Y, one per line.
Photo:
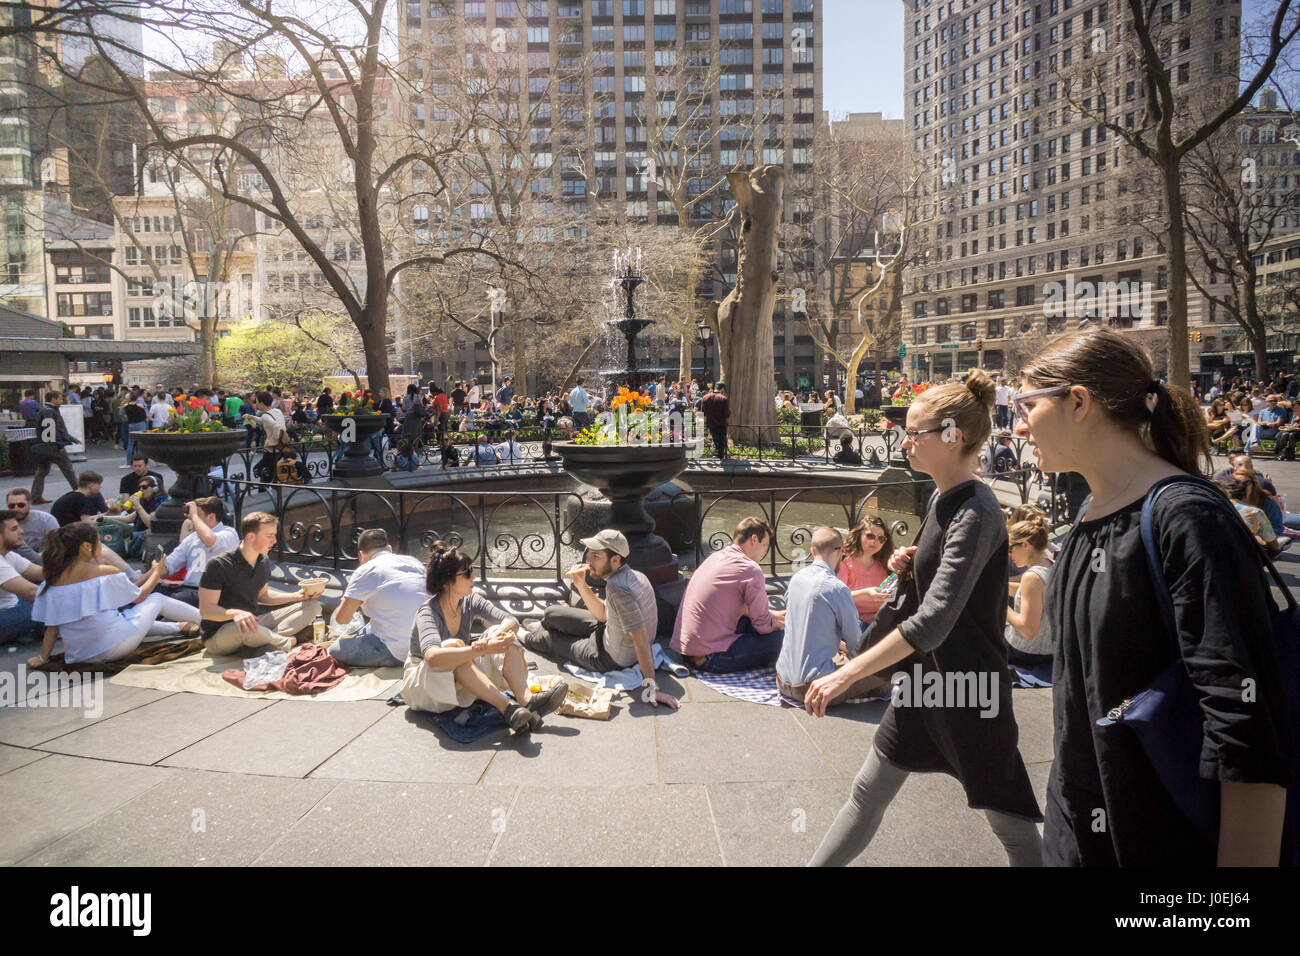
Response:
column 1028, row 192
column 761, row 47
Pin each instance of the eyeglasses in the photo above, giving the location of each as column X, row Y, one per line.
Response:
column 17, row 507
column 1019, row 401
column 874, row 537
column 915, row 433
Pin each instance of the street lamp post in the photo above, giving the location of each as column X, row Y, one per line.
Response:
column 704, row 332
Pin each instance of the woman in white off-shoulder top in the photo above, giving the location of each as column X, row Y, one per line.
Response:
column 100, row 615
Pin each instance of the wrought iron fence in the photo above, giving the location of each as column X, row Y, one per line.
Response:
column 534, row 537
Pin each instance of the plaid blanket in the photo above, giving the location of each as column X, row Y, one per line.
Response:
column 758, row 687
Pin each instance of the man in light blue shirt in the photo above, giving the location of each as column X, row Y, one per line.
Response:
column 821, row 622
column 579, row 400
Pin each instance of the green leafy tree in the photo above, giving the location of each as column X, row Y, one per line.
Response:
column 257, row 354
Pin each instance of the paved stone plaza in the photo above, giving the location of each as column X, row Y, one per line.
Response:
column 184, row 779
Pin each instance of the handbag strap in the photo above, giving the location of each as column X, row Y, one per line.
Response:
column 1163, row 600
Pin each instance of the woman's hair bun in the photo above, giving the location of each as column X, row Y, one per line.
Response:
column 981, row 386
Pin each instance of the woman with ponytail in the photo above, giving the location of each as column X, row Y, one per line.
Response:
column 100, row 615
column 950, row 633
column 1092, row 405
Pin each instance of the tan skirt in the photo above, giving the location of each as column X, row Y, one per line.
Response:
column 424, row 688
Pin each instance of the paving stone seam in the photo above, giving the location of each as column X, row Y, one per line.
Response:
column 487, row 767
column 194, row 743
column 505, row 824
column 97, row 720
column 42, row 755
column 290, row 828
column 831, row 763
column 713, row 822
column 89, row 823
column 351, row 741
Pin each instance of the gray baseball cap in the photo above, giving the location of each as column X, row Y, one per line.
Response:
column 608, row 540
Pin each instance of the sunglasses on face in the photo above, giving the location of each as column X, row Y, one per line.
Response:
column 873, row 537
column 1019, row 401
column 18, row 507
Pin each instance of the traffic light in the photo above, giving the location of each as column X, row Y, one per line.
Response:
column 1194, row 335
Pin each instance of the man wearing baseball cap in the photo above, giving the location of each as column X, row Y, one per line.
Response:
column 608, row 634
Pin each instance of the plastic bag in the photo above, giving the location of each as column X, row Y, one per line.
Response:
column 265, row 669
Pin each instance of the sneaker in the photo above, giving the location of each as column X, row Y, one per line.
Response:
column 520, row 719
column 545, row 702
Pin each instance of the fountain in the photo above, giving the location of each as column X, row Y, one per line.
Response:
column 627, row 472
column 631, row 326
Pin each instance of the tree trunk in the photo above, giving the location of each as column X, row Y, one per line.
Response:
column 684, row 360
column 1179, row 360
column 1254, row 325
column 208, row 350
column 851, row 375
column 745, row 315
column 375, row 346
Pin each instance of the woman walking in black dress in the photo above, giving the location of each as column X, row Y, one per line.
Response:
column 951, row 638
column 1090, row 404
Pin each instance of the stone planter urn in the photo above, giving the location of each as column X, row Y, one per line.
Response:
column 191, row 455
column 626, row 474
column 357, row 461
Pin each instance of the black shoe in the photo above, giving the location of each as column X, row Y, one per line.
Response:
column 520, row 719
column 547, row 701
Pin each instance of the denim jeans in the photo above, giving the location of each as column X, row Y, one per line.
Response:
column 16, row 622
column 748, row 651
column 363, row 649
column 131, row 429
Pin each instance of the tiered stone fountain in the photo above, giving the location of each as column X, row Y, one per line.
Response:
column 627, row 473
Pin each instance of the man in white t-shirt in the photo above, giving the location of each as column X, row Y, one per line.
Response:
column 35, row 524
column 1002, row 404
column 18, row 580
column 388, row 588
column 160, row 412
column 209, row 538
column 510, row 451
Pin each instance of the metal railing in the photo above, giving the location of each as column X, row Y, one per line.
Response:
column 527, row 535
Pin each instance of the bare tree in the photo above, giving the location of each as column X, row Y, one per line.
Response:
column 1235, row 204
column 1168, row 130
column 328, row 90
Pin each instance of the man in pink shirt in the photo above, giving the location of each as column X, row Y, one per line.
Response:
column 724, row 624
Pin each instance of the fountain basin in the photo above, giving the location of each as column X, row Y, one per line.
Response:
column 626, row 474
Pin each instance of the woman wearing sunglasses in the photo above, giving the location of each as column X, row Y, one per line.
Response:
column 446, row 668
column 867, row 551
column 1093, row 406
column 958, row 570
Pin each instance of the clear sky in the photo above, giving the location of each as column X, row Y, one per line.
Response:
column 862, row 66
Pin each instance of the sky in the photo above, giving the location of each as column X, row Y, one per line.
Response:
column 862, row 68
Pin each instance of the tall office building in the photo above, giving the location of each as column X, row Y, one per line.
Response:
column 764, row 49
column 1028, row 193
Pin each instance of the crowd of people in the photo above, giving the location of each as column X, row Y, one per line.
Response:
column 975, row 593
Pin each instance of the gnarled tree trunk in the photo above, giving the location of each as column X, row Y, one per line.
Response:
column 745, row 315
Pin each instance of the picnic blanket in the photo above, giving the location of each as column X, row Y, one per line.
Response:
column 758, row 686
column 629, row 678
column 198, row 674
column 1039, row 675
column 146, row 655
column 467, row 724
